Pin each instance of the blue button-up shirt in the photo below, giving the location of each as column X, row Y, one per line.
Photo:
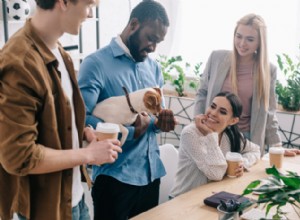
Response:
column 102, row 75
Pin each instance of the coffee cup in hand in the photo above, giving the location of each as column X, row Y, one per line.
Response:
column 234, row 160
column 276, row 155
column 107, row 131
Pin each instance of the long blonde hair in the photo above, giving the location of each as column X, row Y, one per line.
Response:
column 262, row 65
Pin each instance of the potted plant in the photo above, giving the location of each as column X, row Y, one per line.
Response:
column 276, row 191
column 173, row 71
column 289, row 94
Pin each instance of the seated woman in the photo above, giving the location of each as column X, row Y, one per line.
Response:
column 205, row 142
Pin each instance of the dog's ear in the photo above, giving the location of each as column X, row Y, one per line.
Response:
column 152, row 101
column 158, row 90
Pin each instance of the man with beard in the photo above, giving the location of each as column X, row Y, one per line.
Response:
column 131, row 185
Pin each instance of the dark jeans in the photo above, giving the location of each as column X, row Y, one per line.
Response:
column 114, row 200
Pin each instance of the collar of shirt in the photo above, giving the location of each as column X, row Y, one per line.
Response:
column 37, row 42
column 119, row 41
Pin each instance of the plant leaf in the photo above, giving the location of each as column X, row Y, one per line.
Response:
column 251, row 186
column 291, row 182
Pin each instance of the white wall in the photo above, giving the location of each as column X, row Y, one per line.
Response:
column 198, row 27
column 208, row 25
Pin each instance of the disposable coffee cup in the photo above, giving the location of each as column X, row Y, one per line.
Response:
column 233, row 162
column 107, row 131
column 276, row 155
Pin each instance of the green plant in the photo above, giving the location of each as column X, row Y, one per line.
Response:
column 289, row 94
column 276, row 191
column 173, row 64
column 194, row 84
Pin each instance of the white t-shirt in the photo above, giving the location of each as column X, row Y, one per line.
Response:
column 77, row 189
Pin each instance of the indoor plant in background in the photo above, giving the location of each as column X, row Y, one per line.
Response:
column 277, row 191
column 179, row 92
column 174, row 71
column 289, row 94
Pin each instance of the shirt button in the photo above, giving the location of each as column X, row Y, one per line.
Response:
column 69, row 128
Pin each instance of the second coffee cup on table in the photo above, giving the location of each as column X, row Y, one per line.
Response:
column 107, row 131
column 276, row 155
column 233, row 161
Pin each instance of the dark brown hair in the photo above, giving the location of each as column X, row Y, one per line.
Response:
column 49, row 4
column 233, row 132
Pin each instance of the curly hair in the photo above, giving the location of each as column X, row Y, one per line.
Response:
column 150, row 10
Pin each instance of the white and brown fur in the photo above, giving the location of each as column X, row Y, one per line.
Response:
column 116, row 109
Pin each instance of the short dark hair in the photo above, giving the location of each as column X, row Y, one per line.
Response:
column 150, row 10
column 48, row 4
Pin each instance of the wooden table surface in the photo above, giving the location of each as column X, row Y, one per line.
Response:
column 190, row 206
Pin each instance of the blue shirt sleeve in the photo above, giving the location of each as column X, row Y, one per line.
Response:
column 90, row 84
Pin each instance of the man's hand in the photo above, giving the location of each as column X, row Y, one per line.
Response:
column 89, row 134
column 166, row 121
column 141, row 124
column 101, row 152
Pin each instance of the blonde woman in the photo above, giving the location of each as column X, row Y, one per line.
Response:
column 247, row 72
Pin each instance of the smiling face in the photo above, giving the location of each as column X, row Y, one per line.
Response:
column 220, row 115
column 145, row 39
column 246, row 40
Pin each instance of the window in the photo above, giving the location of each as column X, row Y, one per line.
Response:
column 199, row 27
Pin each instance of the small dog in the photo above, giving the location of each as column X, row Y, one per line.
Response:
column 117, row 110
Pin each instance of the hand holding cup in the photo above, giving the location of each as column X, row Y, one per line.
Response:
column 235, row 164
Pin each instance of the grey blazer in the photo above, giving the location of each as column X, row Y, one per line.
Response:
column 263, row 124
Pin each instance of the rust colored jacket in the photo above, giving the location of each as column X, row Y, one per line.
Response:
column 34, row 114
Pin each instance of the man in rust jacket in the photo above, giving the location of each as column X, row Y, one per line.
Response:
column 42, row 119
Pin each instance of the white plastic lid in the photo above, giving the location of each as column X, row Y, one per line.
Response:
column 233, row 156
column 276, row 150
column 107, row 128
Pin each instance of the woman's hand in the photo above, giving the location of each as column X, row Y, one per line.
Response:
column 291, row 152
column 200, row 121
column 239, row 170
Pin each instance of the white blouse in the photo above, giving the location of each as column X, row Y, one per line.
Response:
column 201, row 159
